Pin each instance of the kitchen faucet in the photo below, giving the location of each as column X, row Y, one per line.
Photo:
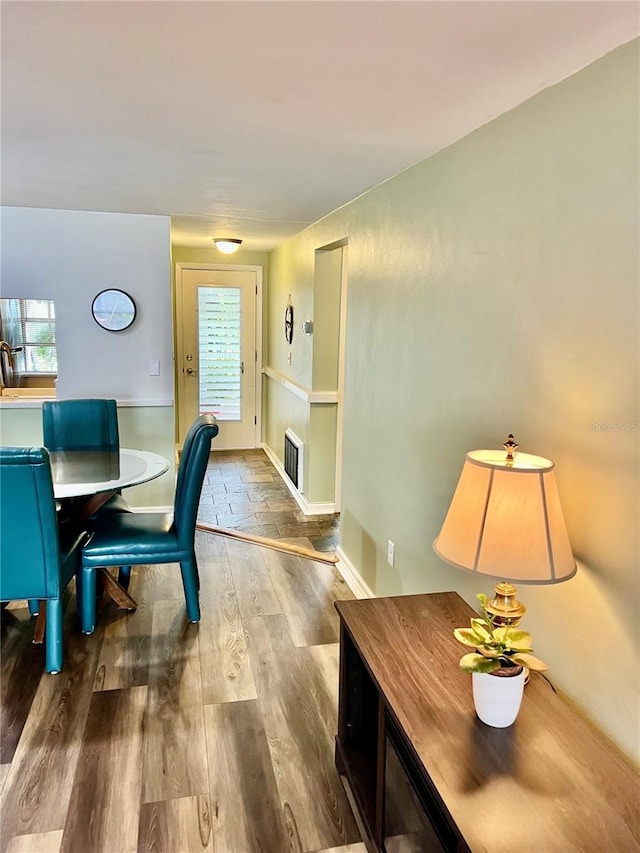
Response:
column 6, row 360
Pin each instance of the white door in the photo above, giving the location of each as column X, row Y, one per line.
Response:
column 218, row 352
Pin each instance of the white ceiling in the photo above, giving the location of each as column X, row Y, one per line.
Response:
column 253, row 119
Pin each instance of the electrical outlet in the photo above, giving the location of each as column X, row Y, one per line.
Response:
column 289, row 357
column 391, row 552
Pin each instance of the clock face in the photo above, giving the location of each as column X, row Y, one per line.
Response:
column 113, row 310
column 288, row 323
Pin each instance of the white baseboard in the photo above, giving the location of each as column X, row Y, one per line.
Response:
column 352, row 576
column 307, row 507
column 161, row 509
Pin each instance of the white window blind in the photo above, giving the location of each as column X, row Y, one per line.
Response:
column 219, row 352
column 29, row 325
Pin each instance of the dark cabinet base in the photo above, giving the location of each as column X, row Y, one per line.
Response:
column 426, row 775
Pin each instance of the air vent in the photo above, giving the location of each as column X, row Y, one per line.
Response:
column 293, row 448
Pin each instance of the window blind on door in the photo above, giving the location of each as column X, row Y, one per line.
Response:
column 220, row 352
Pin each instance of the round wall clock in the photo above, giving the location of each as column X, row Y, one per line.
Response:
column 113, row 310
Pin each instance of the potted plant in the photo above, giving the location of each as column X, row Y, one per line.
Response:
column 498, row 666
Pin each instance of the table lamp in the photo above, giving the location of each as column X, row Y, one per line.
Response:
column 505, row 521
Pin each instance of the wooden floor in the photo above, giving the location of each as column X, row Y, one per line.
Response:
column 159, row 735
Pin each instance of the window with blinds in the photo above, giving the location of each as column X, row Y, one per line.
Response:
column 29, row 326
column 219, row 352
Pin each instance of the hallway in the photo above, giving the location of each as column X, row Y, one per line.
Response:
column 243, row 491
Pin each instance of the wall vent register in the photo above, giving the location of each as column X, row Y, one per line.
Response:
column 293, row 448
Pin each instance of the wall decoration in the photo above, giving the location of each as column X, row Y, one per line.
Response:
column 113, row 310
column 288, row 321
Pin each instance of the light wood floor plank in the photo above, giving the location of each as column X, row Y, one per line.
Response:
column 42, row 842
column 4, row 772
column 174, row 744
column 256, row 596
column 50, row 743
column 109, row 776
column 182, row 825
column 224, row 662
column 246, row 812
column 327, row 661
column 209, row 548
column 156, row 583
column 301, row 751
column 306, row 591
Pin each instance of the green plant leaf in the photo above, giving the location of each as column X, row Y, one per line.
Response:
column 481, row 628
column 513, row 639
column 467, row 636
column 478, row 663
column 530, row 661
column 488, row 653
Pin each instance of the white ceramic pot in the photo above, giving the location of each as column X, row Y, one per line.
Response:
column 497, row 697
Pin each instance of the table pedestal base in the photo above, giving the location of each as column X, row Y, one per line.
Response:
column 115, row 591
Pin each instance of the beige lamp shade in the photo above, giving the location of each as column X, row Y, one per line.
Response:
column 505, row 520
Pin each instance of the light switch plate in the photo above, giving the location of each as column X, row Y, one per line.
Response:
column 154, row 367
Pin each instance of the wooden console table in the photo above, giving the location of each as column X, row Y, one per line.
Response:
column 427, row 775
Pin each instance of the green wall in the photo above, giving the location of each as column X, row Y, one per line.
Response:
column 493, row 288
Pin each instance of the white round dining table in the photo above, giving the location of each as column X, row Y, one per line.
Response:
column 78, row 473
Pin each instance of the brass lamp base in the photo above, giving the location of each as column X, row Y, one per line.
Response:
column 504, row 606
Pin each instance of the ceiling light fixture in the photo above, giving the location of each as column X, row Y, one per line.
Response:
column 226, row 245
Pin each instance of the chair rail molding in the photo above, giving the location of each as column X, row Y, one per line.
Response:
column 301, row 391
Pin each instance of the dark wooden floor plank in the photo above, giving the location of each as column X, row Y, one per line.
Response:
column 176, row 826
column 125, row 652
column 38, row 787
column 289, row 686
column 21, row 669
column 103, row 812
column 174, row 745
column 246, row 811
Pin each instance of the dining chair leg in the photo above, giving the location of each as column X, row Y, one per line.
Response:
column 124, row 576
column 34, row 606
column 190, row 583
column 87, row 600
column 53, row 636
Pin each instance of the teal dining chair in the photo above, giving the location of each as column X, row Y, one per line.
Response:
column 37, row 560
column 84, row 424
column 149, row 538
column 90, row 424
